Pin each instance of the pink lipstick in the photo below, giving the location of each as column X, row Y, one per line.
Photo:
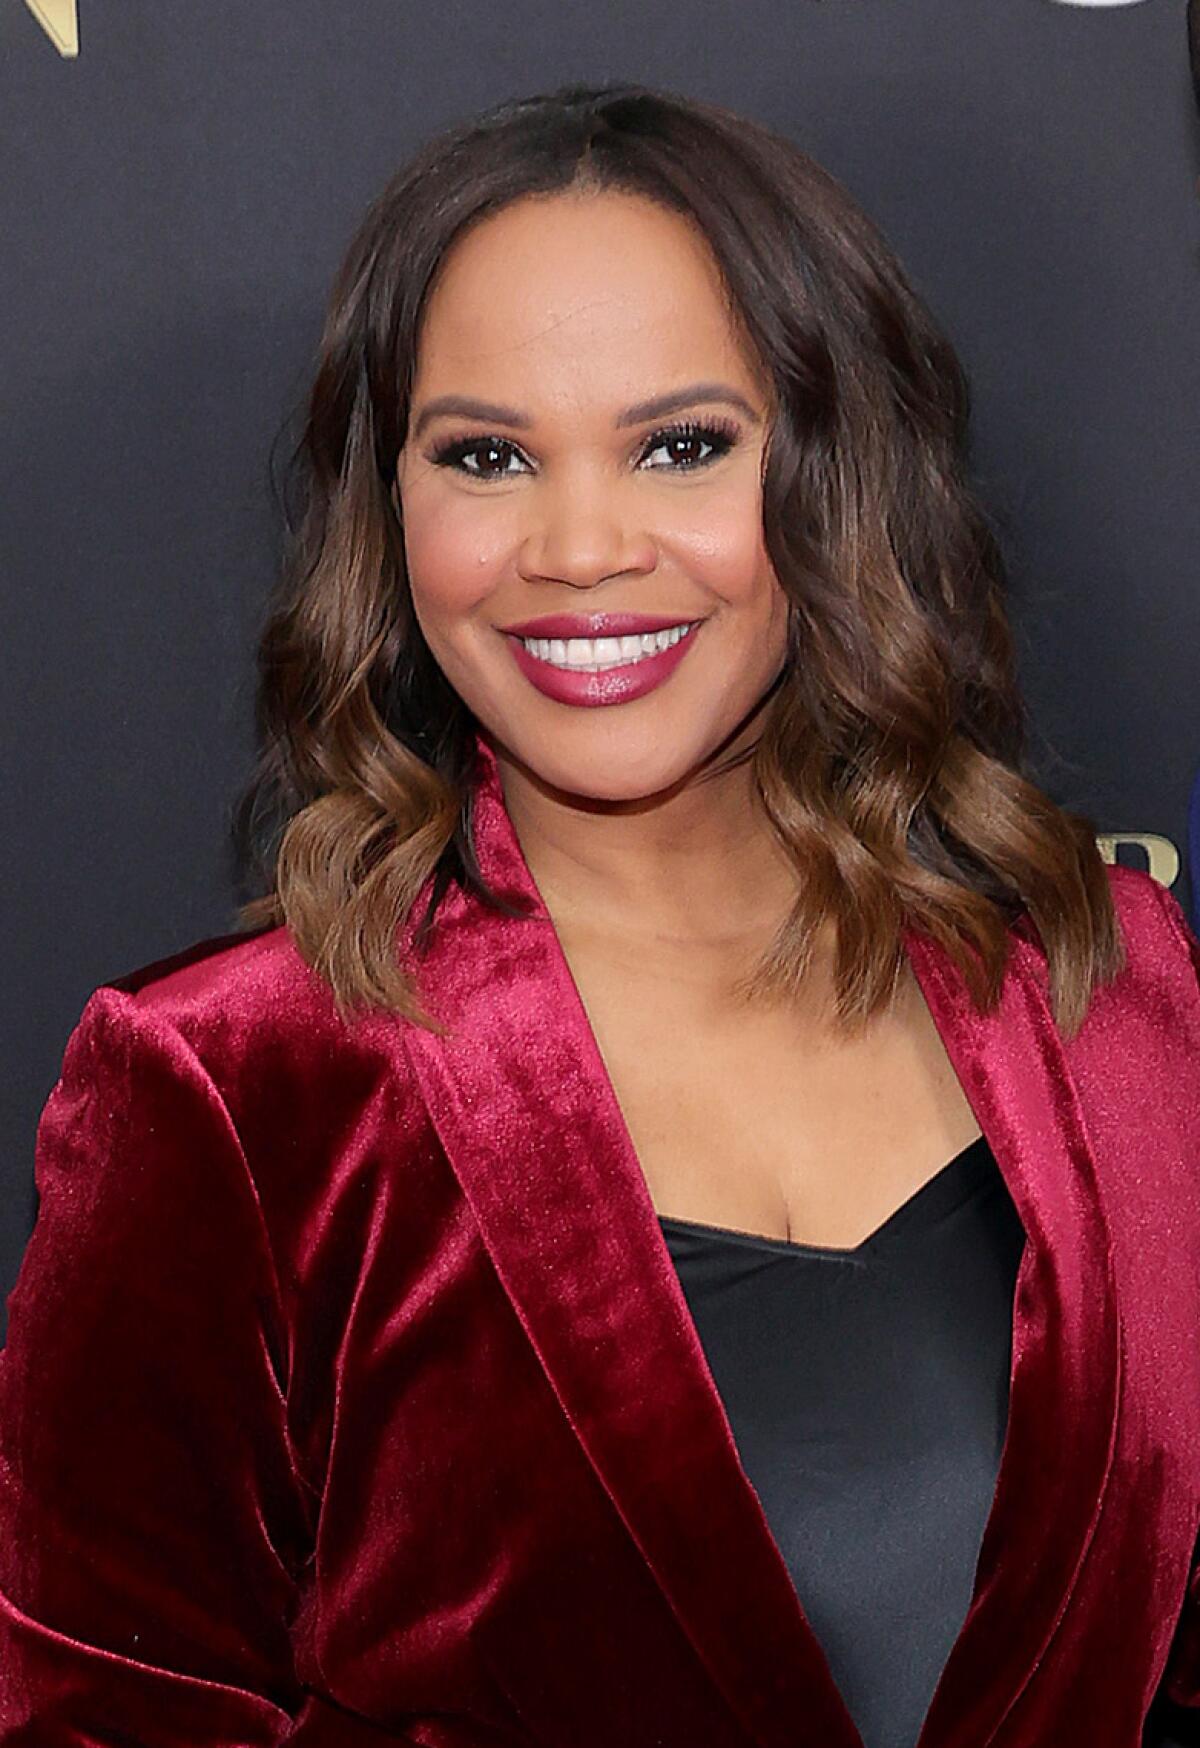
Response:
column 599, row 658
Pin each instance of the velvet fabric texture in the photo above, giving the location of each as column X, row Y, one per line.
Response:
column 350, row 1393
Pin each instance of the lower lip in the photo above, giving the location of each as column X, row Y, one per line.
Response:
column 619, row 685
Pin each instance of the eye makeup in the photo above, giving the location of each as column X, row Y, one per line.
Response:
column 717, row 435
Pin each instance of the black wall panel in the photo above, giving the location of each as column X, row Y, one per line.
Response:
column 173, row 204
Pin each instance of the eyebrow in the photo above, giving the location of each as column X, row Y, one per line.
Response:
column 696, row 394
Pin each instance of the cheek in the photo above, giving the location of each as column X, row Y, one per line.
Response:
column 729, row 558
column 721, row 547
column 459, row 554
column 453, row 560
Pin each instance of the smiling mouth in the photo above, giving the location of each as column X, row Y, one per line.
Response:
column 593, row 655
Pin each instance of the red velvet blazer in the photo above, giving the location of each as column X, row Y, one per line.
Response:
column 350, row 1395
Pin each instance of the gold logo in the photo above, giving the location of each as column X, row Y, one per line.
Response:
column 1162, row 858
column 60, row 21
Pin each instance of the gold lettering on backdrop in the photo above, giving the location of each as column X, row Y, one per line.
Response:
column 1162, row 858
column 60, row 21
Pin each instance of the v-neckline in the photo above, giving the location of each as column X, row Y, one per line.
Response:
column 963, row 1167
column 521, row 1099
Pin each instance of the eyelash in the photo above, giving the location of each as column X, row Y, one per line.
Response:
column 719, row 434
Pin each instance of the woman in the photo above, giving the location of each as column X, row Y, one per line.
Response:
column 681, row 1061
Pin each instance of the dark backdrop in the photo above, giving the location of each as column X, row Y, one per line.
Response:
column 174, row 203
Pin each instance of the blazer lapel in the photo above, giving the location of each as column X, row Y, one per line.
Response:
column 1066, row 1362
column 530, row 1124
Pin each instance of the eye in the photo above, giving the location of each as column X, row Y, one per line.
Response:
column 717, row 438
column 454, row 455
column 683, row 442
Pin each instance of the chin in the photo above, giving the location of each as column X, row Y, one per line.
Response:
column 611, row 763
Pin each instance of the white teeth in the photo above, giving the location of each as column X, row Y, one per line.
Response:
column 592, row 654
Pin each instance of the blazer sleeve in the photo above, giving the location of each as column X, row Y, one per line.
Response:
column 154, row 1528
column 1181, row 928
column 1177, row 1704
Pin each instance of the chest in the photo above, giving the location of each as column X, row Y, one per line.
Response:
column 769, row 1119
column 530, row 1486
column 526, row 1421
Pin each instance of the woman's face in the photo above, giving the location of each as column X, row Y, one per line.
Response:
column 545, row 499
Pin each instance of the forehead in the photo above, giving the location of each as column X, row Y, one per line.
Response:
column 574, row 293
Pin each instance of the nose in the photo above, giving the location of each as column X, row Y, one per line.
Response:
column 582, row 535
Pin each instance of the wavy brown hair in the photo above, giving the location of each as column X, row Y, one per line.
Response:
column 891, row 757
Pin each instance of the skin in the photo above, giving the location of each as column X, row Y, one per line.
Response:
column 570, row 309
column 657, row 865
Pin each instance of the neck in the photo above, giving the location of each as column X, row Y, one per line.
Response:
column 698, row 864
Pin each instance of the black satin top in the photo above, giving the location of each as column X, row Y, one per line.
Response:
column 867, row 1391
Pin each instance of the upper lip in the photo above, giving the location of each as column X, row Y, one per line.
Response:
column 596, row 624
